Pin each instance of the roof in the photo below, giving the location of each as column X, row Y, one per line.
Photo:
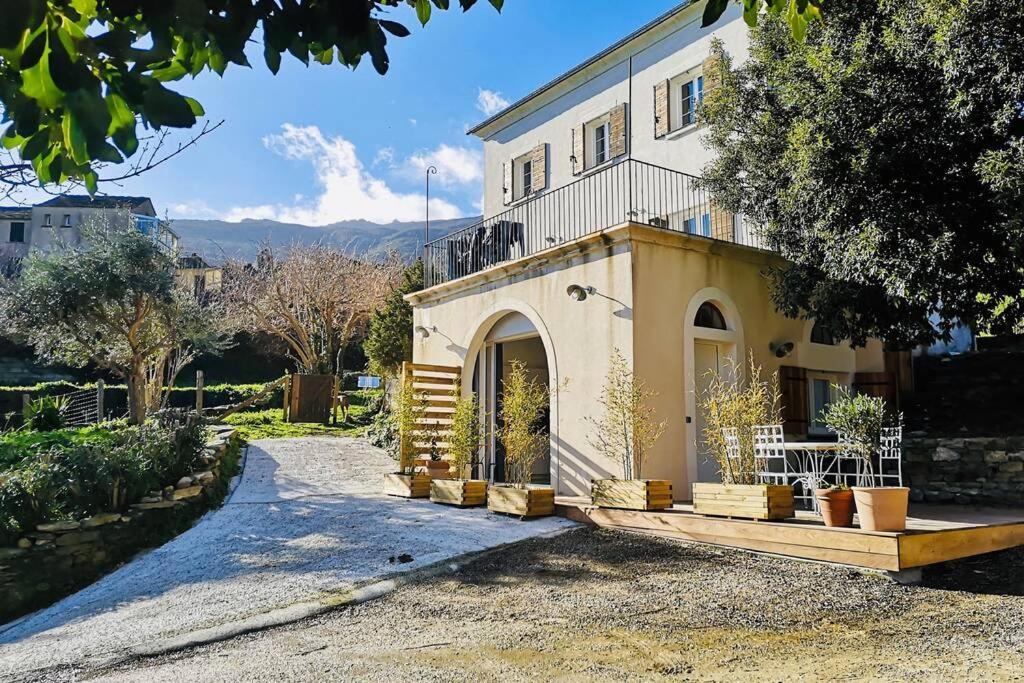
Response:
column 8, row 212
column 194, row 262
column 650, row 26
column 84, row 201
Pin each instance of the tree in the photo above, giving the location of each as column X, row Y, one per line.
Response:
column 313, row 298
column 78, row 76
column 877, row 162
column 626, row 430
column 798, row 13
column 112, row 302
column 523, row 402
column 389, row 340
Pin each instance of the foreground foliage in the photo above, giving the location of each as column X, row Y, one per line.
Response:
column 884, row 158
column 522, row 431
column 81, row 476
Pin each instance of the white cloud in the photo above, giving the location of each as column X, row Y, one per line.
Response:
column 456, row 166
column 348, row 190
column 196, row 208
column 490, row 102
column 385, row 155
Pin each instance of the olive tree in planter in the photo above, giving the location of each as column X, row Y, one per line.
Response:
column 408, row 409
column 732, row 409
column 625, row 433
column 859, row 421
column 464, row 441
column 524, row 400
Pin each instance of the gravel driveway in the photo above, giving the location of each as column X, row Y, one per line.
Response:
column 601, row 605
column 306, row 522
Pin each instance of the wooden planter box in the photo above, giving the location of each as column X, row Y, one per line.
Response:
column 435, row 469
column 747, row 501
column 632, row 494
column 460, row 492
column 407, row 485
column 528, row 502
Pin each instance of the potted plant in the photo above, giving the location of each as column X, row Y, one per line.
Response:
column 464, row 443
column 625, row 433
column 836, row 504
column 524, row 400
column 729, row 404
column 859, row 420
column 433, row 464
column 406, row 482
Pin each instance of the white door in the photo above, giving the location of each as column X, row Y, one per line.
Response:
column 706, row 360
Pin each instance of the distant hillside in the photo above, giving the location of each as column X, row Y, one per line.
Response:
column 219, row 240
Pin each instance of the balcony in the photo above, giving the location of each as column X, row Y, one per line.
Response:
column 630, row 191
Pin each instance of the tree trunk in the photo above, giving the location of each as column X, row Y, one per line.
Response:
column 137, row 393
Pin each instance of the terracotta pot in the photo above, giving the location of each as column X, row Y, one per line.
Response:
column 836, row 506
column 882, row 508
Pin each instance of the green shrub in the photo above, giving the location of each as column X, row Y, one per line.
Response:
column 46, row 413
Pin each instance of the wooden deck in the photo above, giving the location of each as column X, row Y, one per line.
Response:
column 934, row 533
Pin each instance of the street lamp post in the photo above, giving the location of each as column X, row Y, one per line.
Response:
column 431, row 170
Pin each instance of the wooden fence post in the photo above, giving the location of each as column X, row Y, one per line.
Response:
column 199, row 391
column 99, row 400
column 287, row 397
column 335, row 395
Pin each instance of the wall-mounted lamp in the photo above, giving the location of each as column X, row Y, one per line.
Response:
column 579, row 293
column 781, row 350
column 423, row 332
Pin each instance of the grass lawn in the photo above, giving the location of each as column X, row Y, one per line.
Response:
column 268, row 424
column 21, row 444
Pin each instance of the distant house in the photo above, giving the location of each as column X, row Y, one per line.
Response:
column 15, row 223
column 59, row 220
column 194, row 272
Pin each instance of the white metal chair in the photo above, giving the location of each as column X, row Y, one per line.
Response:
column 850, row 468
column 733, row 449
column 890, row 456
column 770, row 463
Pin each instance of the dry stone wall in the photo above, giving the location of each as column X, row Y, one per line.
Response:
column 58, row 558
column 972, row 470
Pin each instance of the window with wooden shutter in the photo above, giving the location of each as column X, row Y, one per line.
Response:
column 722, row 223
column 661, row 109
column 506, row 189
column 539, row 164
column 578, row 149
column 617, row 130
column 793, row 388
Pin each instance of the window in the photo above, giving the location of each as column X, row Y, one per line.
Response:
column 821, row 393
column 687, row 90
column 522, row 181
column 17, row 232
column 690, row 225
column 708, row 315
column 47, row 221
column 822, row 335
column 598, row 141
column 67, row 221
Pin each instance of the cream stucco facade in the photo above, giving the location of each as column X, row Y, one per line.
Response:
column 647, row 285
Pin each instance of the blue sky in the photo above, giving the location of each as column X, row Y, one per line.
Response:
column 320, row 144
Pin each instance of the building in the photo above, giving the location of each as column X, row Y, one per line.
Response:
column 15, row 227
column 60, row 219
column 198, row 275
column 596, row 239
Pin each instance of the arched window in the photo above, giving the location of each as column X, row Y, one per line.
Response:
column 708, row 315
column 822, row 335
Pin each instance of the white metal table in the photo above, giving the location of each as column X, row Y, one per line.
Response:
column 811, row 471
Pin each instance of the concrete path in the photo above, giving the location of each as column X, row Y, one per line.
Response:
column 307, row 522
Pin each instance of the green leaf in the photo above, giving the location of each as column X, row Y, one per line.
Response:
column 126, row 140
column 712, row 11
column 441, row 4
column 107, row 152
column 36, row 145
column 751, row 8
column 196, row 107
column 121, row 116
column 91, row 182
column 11, row 139
column 423, row 11
column 325, row 57
column 163, row 107
column 497, row 4
column 33, row 51
column 272, row 57
column 37, row 84
column 74, row 139
column 394, row 28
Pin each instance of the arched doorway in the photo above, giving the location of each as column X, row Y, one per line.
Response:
column 713, row 345
column 512, row 337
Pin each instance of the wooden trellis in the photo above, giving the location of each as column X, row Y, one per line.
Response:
column 435, row 387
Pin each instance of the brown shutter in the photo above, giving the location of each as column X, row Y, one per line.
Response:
column 506, row 187
column 793, row 387
column 539, row 166
column 617, row 132
column 578, row 150
column 877, row 384
column 710, row 71
column 661, row 112
column 722, row 223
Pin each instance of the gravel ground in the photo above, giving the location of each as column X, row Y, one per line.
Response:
column 306, row 523
column 607, row 605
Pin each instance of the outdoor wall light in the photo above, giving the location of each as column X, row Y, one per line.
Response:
column 781, row 350
column 578, row 293
column 423, row 332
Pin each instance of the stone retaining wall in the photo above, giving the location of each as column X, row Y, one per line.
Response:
column 975, row 470
column 58, row 558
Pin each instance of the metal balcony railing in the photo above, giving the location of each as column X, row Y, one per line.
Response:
column 627, row 191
